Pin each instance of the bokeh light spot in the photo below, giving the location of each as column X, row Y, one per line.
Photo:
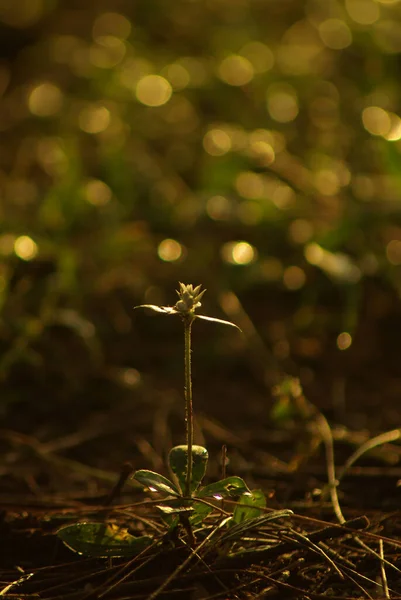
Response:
column 236, row 70
column 395, row 130
column 376, row 120
column 169, row 250
column 51, row 156
column 393, row 252
column 250, row 185
column 111, row 23
column 335, row 34
column 153, row 90
column 294, row 278
column 344, row 341
column 25, row 248
column 94, row 119
column 283, row 196
column 107, row 52
column 327, row 182
column 259, row 55
column 218, row 208
column 45, row 100
column 262, row 152
column 97, row 192
column 177, row 75
column 314, row 253
column 282, row 102
column 364, row 12
column 217, row 142
column 387, row 35
column 300, row 231
column 238, row 253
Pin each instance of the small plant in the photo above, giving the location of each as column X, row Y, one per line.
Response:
column 188, row 462
column 186, row 502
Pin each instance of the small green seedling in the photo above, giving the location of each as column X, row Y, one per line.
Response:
column 186, row 501
column 188, row 462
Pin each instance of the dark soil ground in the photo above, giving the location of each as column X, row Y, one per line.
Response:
column 60, row 466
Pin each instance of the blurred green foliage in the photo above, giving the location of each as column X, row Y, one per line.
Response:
column 252, row 145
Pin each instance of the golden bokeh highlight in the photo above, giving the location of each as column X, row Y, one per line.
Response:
column 314, row 253
column 94, row 118
column 387, row 35
column 300, row 231
column 97, row 192
column 197, row 69
column 45, row 100
column 259, row 55
column 376, row 120
column 177, row 75
column 250, row 185
column 335, row 264
column 217, row 142
column 113, row 24
column 238, row 253
column 262, row 152
column 51, row 156
column 393, row 252
column 107, row 52
column 363, row 12
column 294, row 278
column 344, row 340
column 335, row 34
column 219, row 208
column 327, row 182
column 394, row 134
column 282, row 102
column 170, row 250
column 25, row 248
column 132, row 70
column 153, row 90
column 283, row 196
column 236, row 70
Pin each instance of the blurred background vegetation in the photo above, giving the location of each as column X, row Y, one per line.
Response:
column 253, row 146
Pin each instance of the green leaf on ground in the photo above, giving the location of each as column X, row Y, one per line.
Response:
column 102, row 540
column 250, row 505
column 225, row 488
column 156, row 482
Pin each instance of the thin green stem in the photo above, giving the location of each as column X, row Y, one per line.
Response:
column 189, row 417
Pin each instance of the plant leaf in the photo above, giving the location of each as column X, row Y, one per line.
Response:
column 102, row 540
column 248, row 508
column 200, row 512
column 178, row 458
column 225, row 488
column 221, row 321
column 156, row 482
column 171, row 510
column 169, row 310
